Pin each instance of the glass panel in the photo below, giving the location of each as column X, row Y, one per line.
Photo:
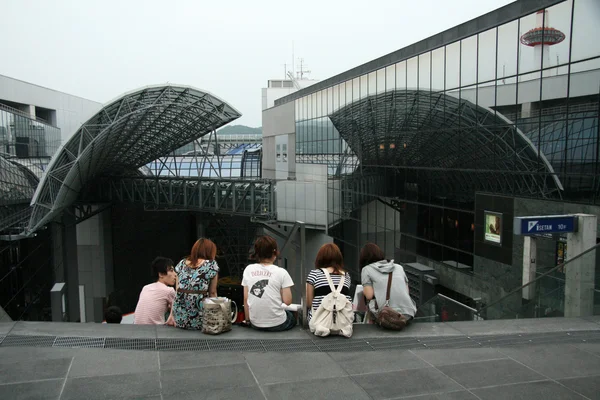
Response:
column 412, row 71
column 530, row 57
column 310, row 107
column 355, row 89
column 401, row 75
column 390, row 78
column 585, row 27
column 452, row 65
column 364, row 86
column 468, row 61
column 437, row 69
column 559, row 18
column 372, row 88
column 425, row 71
column 381, row 80
column 319, row 107
column 508, row 47
column 486, row 67
column 329, row 103
column 336, row 97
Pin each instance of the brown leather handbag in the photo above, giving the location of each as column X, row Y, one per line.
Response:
column 387, row 317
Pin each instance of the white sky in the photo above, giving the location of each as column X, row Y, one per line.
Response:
column 100, row 49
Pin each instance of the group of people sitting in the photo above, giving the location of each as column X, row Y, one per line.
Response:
column 176, row 297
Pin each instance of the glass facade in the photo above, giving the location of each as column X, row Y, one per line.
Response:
column 26, row 137
column 512, row 110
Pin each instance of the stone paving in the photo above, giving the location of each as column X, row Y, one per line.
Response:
column 529, row 359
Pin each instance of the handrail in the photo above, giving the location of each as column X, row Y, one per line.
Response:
column 20, row 113
column 457, row 302
column 559, row 266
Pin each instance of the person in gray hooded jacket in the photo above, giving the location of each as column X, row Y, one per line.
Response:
column 375, row 271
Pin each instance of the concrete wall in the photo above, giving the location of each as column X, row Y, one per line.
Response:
column 278, row 121
column 304, row 199
column 71, row 111
column 95, row 263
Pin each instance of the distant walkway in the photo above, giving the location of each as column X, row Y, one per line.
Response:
column 534, row 359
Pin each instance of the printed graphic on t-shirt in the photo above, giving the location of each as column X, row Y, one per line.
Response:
column 258, row 289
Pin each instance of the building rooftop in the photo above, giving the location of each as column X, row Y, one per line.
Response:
column 552, row 358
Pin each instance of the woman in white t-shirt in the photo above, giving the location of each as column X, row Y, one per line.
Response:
column 267, row 289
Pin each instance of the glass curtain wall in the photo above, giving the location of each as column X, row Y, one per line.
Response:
column 25, row 137
column 512, row 110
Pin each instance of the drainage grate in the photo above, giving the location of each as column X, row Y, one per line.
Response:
column 289, row 345
column 29, row 341
column 335, row 344
column 181, row 344
column 130, row 344
column 79, row 342
column 235, row 345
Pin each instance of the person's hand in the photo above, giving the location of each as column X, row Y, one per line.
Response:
column 170, row 321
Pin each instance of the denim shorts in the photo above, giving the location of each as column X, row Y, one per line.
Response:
column 289, row 323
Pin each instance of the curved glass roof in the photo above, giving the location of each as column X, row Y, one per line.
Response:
column 16, row 184
column 445, row 140
column 126, row 134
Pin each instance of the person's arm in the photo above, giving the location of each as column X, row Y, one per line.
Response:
column 212, row 289
column 246, row 308
column 286, row 284
column 310, row 293
column 367, row 284
column 171, row 319
column 286, row 295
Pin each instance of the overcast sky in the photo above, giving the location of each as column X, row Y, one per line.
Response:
column 100, row 49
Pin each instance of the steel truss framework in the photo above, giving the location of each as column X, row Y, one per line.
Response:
column 446, row 144
column 253, row 198
column 126, row 134
column 213, row 156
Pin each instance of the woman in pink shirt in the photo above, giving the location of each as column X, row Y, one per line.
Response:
column 157, row 298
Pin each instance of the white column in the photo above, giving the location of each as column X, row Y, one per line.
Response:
column 580, row 273
column 529, row 266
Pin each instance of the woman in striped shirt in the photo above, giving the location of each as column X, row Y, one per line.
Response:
column 329, row 257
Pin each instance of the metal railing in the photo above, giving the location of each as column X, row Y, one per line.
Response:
column 519, row 290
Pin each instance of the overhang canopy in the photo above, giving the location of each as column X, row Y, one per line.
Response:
column 456, row 144
column 124, row 135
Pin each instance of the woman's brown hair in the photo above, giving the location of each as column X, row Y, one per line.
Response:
column 203, row 249
column 329, row 255
column 265, row 247
column 369, row 254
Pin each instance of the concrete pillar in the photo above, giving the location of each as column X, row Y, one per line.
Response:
column 529, row 266
column 94, row 252
column 71, row 271
column 580, row 273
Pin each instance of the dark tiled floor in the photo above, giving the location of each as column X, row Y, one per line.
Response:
column 446, row 369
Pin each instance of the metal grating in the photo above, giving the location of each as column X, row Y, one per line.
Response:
column 290, row 345
column 335, row 344
column 328, row 344
column 182, row 345
column 28, row 341
column 79, row 342
column 235, row 345
column 130, row 344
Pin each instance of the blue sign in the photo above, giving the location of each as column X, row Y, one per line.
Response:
column 545, row 224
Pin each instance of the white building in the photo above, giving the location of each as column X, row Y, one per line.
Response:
column 61, row 110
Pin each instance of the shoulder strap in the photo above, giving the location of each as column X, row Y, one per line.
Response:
column 389, row 286
column 331, row 285
column 341, row 284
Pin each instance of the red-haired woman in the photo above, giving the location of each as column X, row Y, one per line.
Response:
column 197, row 277
column 330, row 258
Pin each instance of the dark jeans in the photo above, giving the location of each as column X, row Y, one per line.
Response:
column 289, row 323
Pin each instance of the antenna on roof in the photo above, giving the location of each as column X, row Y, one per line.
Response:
column 300, row 74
